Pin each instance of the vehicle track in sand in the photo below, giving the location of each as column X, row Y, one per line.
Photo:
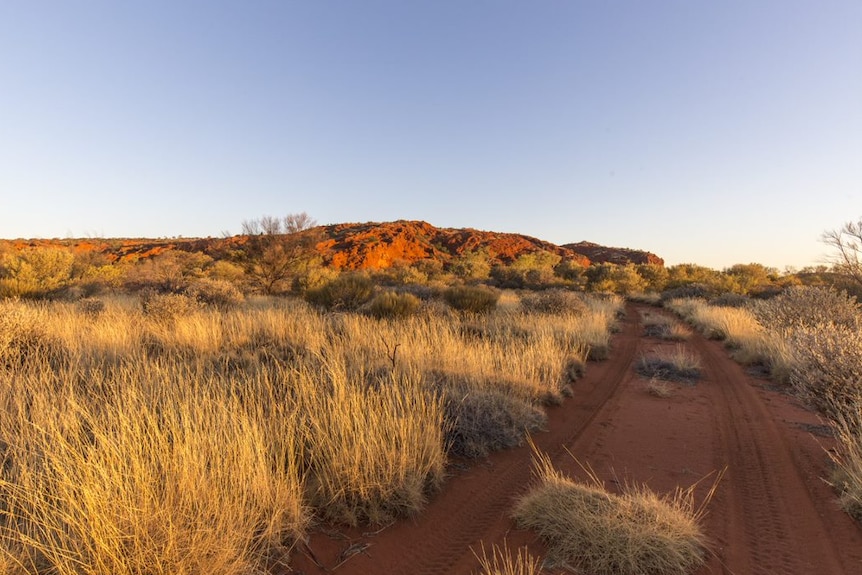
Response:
column 772, row 513
column 474, row 505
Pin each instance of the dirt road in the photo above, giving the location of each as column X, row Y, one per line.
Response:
column 772, row 512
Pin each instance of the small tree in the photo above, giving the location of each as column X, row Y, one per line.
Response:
column 846, row 243
column 474, row 265
column 278, row 249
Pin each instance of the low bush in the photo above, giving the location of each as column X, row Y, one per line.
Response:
column 217, row 293
column 91, row 306
column 805, row 306
column 688, row 291
column 481, row 420
column 828, row 368
column 472, row 299
column 347, row 292
column 731, row 300
column 167, row 307
column 847, row 478
column 391, row 304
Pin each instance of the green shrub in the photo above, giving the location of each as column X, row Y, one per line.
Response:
column 688, row 291
column 345, row 293
column 472, row 299
column 392, row 304
column 553, row 301
column 613, row 278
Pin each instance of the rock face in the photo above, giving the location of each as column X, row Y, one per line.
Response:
column 364, row 246
column 380, row 245
column 602, row 254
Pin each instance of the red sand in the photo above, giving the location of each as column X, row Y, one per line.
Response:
column 772, row 512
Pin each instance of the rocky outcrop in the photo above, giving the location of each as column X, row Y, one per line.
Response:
column 603, row 254
column 380, row 245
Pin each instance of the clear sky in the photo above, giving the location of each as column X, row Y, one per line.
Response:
column 712, row 132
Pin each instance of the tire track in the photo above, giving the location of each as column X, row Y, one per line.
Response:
column 771, row 525
column 474, row 506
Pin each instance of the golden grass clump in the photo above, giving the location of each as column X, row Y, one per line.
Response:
column 373, row 453
column 637, row 532
column 501, row 561
column 659, row 388
column 150, row 481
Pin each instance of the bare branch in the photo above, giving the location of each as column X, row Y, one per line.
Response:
column 847, row 245
column 298, row 222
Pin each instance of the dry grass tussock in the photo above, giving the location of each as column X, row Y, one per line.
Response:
column 847, row 478
column 502, row 562
column 208, row 441
column 664, row 327
column 750, row 342
column 659, row 388
column 679, row 364
column 637, row 532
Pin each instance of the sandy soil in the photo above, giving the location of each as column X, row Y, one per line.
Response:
column 772, row 512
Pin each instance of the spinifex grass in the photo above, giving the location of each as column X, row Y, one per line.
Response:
column 637, row 532
column 205, row 441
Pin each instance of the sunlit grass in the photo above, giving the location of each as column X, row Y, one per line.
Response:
column 207, row 441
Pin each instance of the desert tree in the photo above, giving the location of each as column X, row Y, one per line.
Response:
column 279, row 249
column 846, row 244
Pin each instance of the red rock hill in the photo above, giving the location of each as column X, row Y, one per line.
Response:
column 365, row 246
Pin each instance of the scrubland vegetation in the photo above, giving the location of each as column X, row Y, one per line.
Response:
column 166, row 434
column 177, row 414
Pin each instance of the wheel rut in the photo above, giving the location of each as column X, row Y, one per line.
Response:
column 771, row 524
column 771, row 514
column 473, row 506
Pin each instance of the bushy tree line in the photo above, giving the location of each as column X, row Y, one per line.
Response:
column 278, row 255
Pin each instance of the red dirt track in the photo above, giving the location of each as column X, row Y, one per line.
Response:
column 772, row 512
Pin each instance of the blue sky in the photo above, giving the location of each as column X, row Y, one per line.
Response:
column 707, row 132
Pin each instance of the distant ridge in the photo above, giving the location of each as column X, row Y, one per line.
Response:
column 370, row 246
column 603, row 254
